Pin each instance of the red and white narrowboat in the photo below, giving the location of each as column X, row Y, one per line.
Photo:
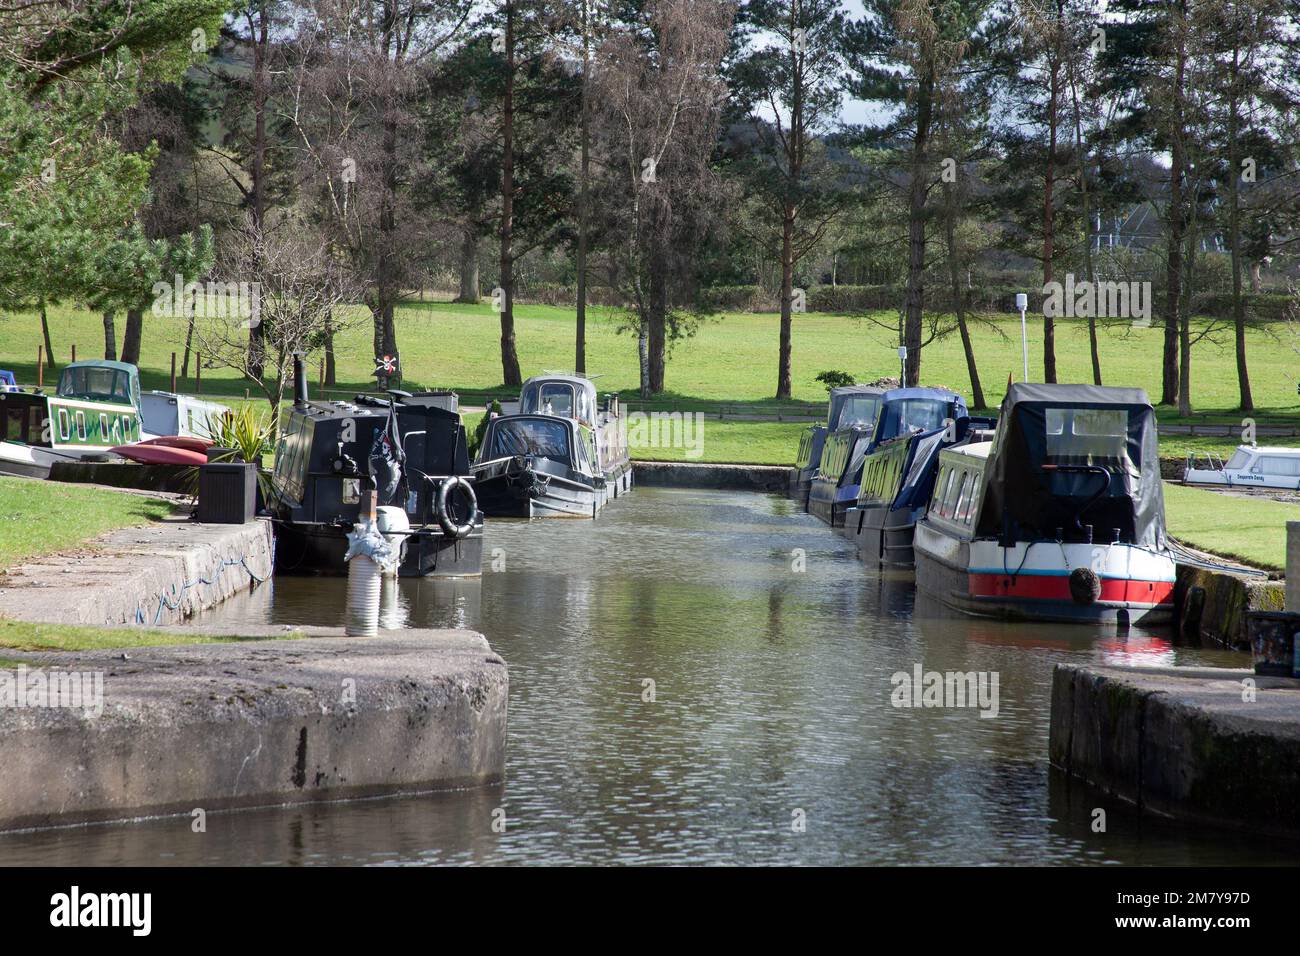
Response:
column 1059, row 518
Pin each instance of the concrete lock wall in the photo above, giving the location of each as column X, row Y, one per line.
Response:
column 1213, row 604
column 675, row 474
column 1185, row 743
column 158, row 574
column 220, row 726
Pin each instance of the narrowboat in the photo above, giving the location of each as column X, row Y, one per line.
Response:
column 170, row 413
column 900, row 411
column 410, row 449
column 538, row 466
column 849, row 405
column 1060, row 517
column 95, row 407
column 570, row 396
column 1249, row 466
column 897, row 482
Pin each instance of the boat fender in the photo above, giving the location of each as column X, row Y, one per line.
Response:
column 1085, row 585
column 442, row 507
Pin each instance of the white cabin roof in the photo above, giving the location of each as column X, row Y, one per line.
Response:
column 977, row 449
column 1271, row 450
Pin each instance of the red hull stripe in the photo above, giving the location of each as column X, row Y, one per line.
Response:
column 1057, row 588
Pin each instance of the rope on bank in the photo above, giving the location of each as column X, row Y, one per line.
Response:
column 178, row 595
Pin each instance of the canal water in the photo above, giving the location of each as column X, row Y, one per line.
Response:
column 705, row 677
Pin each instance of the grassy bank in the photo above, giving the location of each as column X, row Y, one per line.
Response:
column 731, row 358
column 42, row 517
column 27, row 636
column 1243, row 527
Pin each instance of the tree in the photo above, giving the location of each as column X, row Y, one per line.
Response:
column 659, row 96
column 354, row 82
column 788, row 84
column 905, row 53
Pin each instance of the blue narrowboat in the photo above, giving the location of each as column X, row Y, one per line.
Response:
column 902, row 411
column 849, row 405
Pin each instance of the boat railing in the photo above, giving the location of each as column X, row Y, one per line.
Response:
column 1213, row 462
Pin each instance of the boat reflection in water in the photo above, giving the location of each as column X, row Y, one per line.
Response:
column 1060, row 517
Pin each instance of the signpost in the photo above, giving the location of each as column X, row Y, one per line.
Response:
column 1022, row 303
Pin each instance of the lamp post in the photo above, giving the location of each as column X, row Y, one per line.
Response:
column 1022, row 303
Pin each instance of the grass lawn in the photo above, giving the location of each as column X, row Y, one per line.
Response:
column 41, row 517
column 732, row 357
column 1243, row 527
column 26, row 636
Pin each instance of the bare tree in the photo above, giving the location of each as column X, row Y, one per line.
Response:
column 659, row 96
column 300, row 289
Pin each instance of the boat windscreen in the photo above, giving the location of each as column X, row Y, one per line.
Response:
column 1240, row 458
column 858, row 410
column 528, row 436
column 100, row 384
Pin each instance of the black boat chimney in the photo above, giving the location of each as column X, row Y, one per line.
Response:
column 299, row 381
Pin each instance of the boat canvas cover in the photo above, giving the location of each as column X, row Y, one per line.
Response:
column 1051, row 447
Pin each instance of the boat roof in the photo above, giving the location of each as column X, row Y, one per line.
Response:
column 1041, row 393
column 578, row 380
column 856, row 390
column 1288, row 451
column 104, row 363
column 572, row 424
column 921, row 391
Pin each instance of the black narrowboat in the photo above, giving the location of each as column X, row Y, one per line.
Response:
column 326, row 457
column 897, row 481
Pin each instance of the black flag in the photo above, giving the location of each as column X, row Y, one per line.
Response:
column 387, row 457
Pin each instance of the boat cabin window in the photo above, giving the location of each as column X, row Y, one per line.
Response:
column 556, row 400
column 1094, row 435
column 1276, row 465
column 859, row 410
column 1240, row 458
column 21, row 423
column 528, row 436
column 96, row 384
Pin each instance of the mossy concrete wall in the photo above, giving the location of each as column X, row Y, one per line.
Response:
column 1206, row 745
column 1218, row 612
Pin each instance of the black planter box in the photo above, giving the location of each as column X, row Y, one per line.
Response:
column 227, row 492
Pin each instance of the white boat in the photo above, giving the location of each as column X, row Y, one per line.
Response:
column 1250, row 466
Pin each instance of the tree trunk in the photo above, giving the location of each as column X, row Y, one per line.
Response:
column 1049, row 220
column 189, row 341
column 131, row 336
column 656, row 334
column 509, row 357
column 915, row 300
column 584, row 179
column 787, row 294
column 1245, row 400
column 1086, row 214
column 261, row 47
column 1169, row 389
column 329, row 351
column 959, row 300
column 110, row 336
column 469, row 289
column 45, row 333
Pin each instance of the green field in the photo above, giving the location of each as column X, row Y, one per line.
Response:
column 732, row 358
column 42, row 517
column 1249, row 529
